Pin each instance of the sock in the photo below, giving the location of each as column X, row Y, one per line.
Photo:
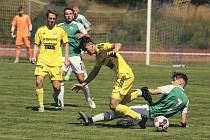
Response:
column 125, row 110
column 108, row 116
column 61, row 96
column 55, row 96
column 69, row 71
column 40, row 96
column 86, row 92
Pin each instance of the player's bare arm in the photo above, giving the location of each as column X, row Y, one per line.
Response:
column 80, row 35
column 115, row 48
column 155, row 91
column 66, row 46
column 184, row 119
column 35, row 54
column 91, row 76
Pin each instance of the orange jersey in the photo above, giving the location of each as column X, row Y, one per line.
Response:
column 22, row 24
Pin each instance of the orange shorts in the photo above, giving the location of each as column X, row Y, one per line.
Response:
column 23, row 40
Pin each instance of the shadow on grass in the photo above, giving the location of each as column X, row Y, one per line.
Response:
column 115, row 126
column 65, row 105
column 101, row 125
column 35, row 108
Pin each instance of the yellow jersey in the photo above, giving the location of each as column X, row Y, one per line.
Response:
column 115, row 63
column 50, row 45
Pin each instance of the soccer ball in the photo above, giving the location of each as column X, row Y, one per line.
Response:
column 161, row 123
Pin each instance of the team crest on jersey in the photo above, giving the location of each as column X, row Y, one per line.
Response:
column 54, row 33
column 71, row 28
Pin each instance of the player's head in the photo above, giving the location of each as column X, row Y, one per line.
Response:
column 179, row 79
column 76, row 10
column 88, row 46
column 20, row 10
column 51, row 18
column 68, row 14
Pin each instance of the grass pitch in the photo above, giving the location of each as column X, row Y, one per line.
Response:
column 19, row 121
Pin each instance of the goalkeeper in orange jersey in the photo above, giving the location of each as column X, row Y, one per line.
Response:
column 24, row 28
column 107, row 54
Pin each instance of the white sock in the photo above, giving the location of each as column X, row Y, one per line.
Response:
column 86, row 92
column 69, row 71
column 108, row 116
column 61, row 95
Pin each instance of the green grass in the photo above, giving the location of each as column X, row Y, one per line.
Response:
column 18, row 120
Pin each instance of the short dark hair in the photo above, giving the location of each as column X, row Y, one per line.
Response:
column 84, row 41
column 20, row 8
column 67, row 8
column 51, row 12
column 178, row 75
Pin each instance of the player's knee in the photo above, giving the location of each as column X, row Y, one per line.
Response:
column 109, row 116
column 39, row 83
column 112, row 106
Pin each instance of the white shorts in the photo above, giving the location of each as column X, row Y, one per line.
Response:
column 141, row 109
column 144, row 110
column 75, row 64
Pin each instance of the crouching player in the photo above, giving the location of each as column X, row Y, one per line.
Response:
column 107, row 54
column 174, row 100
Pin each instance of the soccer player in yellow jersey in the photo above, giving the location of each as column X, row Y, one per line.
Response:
column 48, row 56
column 107, row 54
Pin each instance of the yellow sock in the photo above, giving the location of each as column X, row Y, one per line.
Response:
column 125, row 110
column 40, row 96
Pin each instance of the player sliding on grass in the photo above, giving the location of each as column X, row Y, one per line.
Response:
column 174, row 100
column 107, row 54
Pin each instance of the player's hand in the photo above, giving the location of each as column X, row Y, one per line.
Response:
column 67, row 63
column 146, row 95
column 80, row 35
column 12, row 35
column 77, row 87
column 111, row 53
column 33, row 60
column 29, row 33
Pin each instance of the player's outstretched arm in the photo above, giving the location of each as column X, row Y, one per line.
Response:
column 155, row 91
column 115, row 48
column 91, row 76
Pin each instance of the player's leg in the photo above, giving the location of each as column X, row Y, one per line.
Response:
column 84, row 69
column 59, row 100
column 76, row 65
column 128, row 122
column 19, row 43
column 28, row 47
column 107, row 116
column 40, row 72
column 119, row 92
column 67, row 76
column 56, row 78
column 86, row 91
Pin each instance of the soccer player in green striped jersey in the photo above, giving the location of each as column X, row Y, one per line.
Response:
column 75, row 31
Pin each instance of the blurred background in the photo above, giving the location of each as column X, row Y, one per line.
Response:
column 180, row 29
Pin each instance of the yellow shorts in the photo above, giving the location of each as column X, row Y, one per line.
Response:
column 55, row 72
column 122, row 86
